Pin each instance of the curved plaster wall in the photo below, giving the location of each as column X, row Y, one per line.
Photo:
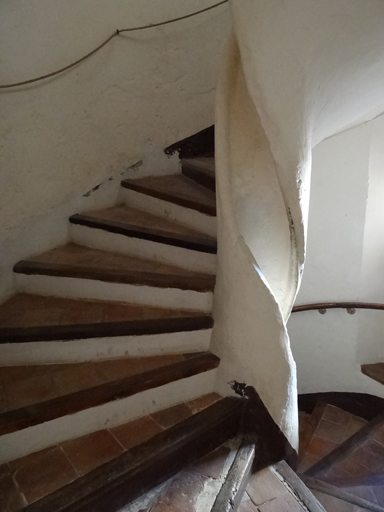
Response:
column 71, row 132
column 296, row 73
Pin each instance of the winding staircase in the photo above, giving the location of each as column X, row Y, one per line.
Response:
column 108, row 386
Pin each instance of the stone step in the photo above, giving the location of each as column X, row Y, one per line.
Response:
column 33, row 329
column 44, row 404
column 140, row 468
column 125, row 278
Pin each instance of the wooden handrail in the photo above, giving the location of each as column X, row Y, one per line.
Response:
column 349, row 306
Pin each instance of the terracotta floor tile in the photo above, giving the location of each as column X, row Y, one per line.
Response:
column 212, row 464
column 320, row 447
column 136, row 432
column 169, row 417
column 307, row 461
column 28, row 459
column 354, row 425
column 370, row 460
column 90, row 451
column 10, row 374
column 45, row 475
column 379, row 436
column 4, row 470
column 351, row 466
column 247, row 506
column 330, row 431
column 121, row 368
column 30, row 391
column 287, row 502
column 264, row 485
column 77, row 378
column 336, row 415
column 11, row 499
column 198, row 404
column 182, row 493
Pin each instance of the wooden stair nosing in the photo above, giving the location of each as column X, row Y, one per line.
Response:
column 198, row 282
column 345, row 449
column 199, row 175
column 298, row 486
column 105, row 329
column 131, row 474
column 325, row 488
column 14, row 420
column 232, row 491
column 187, row 203
column 374, row 371
column 154, row 235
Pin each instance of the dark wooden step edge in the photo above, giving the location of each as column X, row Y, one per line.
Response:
column 12, row 421
column 181, row 201
column 318, row 485
column 198, row 282
column 199, row 175
column 154, row 235
column 232, row 491
column 368, row 479
column 371, row 371
column 117, row 483
column 105, row 329
column 346, row 448
column 298, row 487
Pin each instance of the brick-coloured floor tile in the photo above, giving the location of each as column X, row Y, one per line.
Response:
column 43, row 476
column 247, row 506
column 379, row 436
column 30, row 391
column 307, row 461
column 27, row 459
column 182, row 493
column 198, row 404
column 169, row 417
column 4, row 470
column 320, row 447
column 330, row 431
column 11, row 499
column 136, row 432
column 336, row 415
column 75, row 379
column 213, row 463
column 92, row 450
column 350, row 466
column 287, row 502
column 264, row 485
column 10, row 374
column 354, row 425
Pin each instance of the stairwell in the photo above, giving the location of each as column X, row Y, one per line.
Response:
column 108, row 387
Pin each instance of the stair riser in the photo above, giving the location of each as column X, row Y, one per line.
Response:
column 32, row 439
column 93, row 349
column 67, row 287
column 185, row 216
column 184, row 258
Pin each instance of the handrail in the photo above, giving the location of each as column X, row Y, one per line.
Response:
column 349, row 306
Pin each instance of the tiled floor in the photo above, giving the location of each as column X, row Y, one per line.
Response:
column 333, row 427
column 267, row 493
column 24, row 310
column 29, row 478
column 21, row 386
column 192, row 490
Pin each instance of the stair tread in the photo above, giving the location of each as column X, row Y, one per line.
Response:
column 72, row 260
column 34, row 317
column 206, row 164
column 92, row 450
column 37, row 393
column 177, row 189
column 375, row 371
column 133, row 222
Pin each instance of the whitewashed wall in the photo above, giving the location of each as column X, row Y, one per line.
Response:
column 345, row 255
column 61, row 137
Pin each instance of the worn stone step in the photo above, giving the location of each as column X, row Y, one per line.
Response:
column 44, row 404
column 139, row 224
column 130, row 474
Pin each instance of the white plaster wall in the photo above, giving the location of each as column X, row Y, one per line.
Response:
column 345, row 251
column 71, row 132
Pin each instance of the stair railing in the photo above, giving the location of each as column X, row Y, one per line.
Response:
column 351, row 307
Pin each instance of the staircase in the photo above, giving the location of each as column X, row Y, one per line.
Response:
column 108, row 396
